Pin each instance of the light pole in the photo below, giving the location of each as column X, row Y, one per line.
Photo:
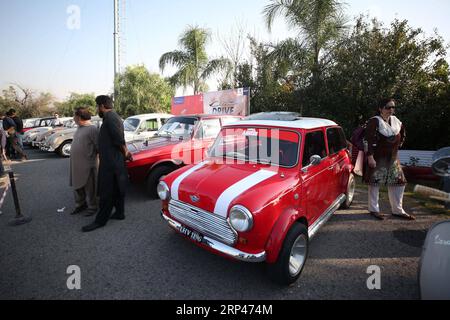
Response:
column 116, row 44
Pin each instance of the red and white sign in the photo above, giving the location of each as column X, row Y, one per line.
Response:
column 229, row 102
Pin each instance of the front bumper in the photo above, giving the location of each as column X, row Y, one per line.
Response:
column 220, row 247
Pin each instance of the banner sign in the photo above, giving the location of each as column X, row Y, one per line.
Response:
column 229, row 102
column 187, row 105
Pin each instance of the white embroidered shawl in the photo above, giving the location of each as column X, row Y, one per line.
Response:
column 389, row 130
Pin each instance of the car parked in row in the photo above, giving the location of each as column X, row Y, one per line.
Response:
column 51, row 123
column 182, row 140
column 269, row 184
column 144, row 126
column 29, row 123
column 61, row 141
column 42, row 136
column 38, row 123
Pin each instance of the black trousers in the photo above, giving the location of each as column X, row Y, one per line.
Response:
column 108, row 202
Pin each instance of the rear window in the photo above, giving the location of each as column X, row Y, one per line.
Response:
column 336, row 140
column 226, row 121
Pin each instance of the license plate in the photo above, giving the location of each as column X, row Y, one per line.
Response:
column 195, row 236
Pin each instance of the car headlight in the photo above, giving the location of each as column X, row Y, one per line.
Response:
column 163, row 191
column 241, row 219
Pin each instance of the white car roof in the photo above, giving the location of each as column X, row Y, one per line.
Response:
column 151, row 116
column 302, row 123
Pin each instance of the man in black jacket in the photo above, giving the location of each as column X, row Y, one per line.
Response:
column 11, row 127
column 112, row 173
column 19, row 126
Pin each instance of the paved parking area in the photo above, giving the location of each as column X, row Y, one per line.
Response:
column 141, row 258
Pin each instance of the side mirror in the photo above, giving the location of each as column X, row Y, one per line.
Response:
column 315, row 160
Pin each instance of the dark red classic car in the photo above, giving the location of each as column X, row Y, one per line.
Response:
column 181, row 141
column 264, row 192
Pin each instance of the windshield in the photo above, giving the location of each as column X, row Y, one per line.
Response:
column 267, row 146
column 131, row 125
column 178, row 127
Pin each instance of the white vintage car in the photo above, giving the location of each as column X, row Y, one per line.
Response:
column 144, row 126
column 60, row 142
column 31, row 135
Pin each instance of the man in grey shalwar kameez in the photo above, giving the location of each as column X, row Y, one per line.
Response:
column 84, row 163
column 112, row 173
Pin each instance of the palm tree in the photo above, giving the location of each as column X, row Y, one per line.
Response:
column 194, row 67
column 319, row 24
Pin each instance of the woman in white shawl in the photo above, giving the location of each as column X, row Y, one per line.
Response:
column 385, row 134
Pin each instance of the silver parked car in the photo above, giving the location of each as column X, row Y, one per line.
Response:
column 61, row 141
column 42, row 135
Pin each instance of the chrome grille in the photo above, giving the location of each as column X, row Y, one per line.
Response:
column 204, row 222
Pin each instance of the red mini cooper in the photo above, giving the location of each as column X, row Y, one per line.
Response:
column 270, row 182
column 182, row 140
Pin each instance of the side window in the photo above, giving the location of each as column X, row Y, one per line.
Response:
column 151, row 125
column 209, row 128
column 336, row 140
column 314, row 145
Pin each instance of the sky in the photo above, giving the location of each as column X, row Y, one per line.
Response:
column 45, row 48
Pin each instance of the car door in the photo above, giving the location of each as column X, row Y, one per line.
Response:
column 337, row 145
column 316, row 178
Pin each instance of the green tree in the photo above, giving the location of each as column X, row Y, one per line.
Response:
column 76, row 100
column 140, row 91
column 319, row 23
column 192, row 62
column 400, row 62
column 26, row 102
column 271, row 86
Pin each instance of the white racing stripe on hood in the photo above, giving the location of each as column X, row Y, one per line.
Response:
column 238, row 188
column 177, row 182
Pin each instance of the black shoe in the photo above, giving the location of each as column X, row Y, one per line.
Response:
column 79, row 209
column 90, row 213
column 116, row 216
column 92, row 227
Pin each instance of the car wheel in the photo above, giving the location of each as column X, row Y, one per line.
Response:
column 154, row 177
column 291, row 260
column 350, row 193
column 64, row 149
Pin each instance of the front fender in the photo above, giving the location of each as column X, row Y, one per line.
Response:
column 176, row 163
column 279, row 232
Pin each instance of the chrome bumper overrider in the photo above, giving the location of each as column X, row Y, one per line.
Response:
column 220, row 247
column 46, row 148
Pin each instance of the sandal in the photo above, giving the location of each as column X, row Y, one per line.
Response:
column 405, row 216
column 377, row 215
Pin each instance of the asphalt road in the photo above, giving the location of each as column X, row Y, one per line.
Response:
column 142, row 258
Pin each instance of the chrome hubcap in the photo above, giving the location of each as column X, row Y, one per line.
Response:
column 351, row 190
column 66, row 149
column 298, row 255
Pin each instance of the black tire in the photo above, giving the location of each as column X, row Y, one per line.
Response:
column 154, row 177
column 62, row 150
column 279, row 272
column 350, row 193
